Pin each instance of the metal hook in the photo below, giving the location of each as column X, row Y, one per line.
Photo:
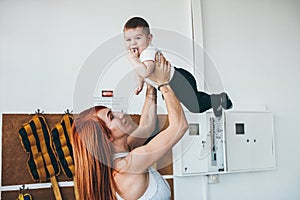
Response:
column 22, row 189
column 68, row 111
column 38, row 111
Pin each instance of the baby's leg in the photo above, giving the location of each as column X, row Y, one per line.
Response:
column 185, row 87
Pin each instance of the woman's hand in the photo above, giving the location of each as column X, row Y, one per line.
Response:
column 161, row 74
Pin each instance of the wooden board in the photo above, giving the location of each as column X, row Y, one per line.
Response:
column 47, row 194
column 14, row 159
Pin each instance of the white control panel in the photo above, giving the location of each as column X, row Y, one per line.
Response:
column 201, row 150
column 250, row 141
column 239, row 141
column 217, row 153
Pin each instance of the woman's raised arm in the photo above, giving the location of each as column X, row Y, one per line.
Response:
column 143, row 157
column 147, row 121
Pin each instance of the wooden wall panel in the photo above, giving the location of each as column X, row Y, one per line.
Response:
column 14, row 159
column 43, row 194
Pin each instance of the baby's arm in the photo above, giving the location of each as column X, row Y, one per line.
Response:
column 143, row 69
column 139, row 83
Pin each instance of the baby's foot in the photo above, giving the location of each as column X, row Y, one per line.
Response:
column 220, row 102
column 226, row 103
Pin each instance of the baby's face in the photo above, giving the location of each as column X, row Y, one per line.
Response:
column 137, row 39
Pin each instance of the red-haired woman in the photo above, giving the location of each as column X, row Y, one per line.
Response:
column 111, row 161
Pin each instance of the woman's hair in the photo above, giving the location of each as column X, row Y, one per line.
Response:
column 137, row 22
column 93, row 157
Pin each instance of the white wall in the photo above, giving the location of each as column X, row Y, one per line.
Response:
column 256, row 48
column 44, row 44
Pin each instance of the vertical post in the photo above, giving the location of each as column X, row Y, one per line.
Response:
column 55, row 187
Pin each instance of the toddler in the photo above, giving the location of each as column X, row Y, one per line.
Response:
column 141, row 56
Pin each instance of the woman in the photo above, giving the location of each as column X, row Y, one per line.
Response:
column 110, row 160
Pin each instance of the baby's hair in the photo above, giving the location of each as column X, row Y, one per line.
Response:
column 137, row 22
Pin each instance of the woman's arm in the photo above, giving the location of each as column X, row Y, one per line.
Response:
column 147, row 121
column 141, row 158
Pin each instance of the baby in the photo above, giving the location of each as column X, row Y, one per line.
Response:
column 141, row 56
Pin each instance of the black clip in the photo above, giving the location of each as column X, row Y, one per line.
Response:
column 39, row 112
column 22, row 189
column 68, row 112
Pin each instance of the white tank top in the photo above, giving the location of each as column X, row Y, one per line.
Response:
column 158, row 188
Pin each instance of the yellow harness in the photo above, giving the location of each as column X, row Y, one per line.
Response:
column 61, row 134
column 61, row 139
column 37, row 142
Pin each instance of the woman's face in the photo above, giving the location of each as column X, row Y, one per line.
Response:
column 120, row 124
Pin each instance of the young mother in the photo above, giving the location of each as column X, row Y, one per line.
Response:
column 111, row 161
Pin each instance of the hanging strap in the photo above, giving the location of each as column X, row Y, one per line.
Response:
column 61, row 139
column 37, row 162
column 45, row 143
column 36, row 140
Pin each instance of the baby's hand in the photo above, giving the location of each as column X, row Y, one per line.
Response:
column 139, row 83
column 138, row 89
column 133, row 55
column 135, row 52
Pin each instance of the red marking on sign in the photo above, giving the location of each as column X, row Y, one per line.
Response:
column 107, row 93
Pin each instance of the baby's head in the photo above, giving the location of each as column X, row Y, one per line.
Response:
column 137, row 34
